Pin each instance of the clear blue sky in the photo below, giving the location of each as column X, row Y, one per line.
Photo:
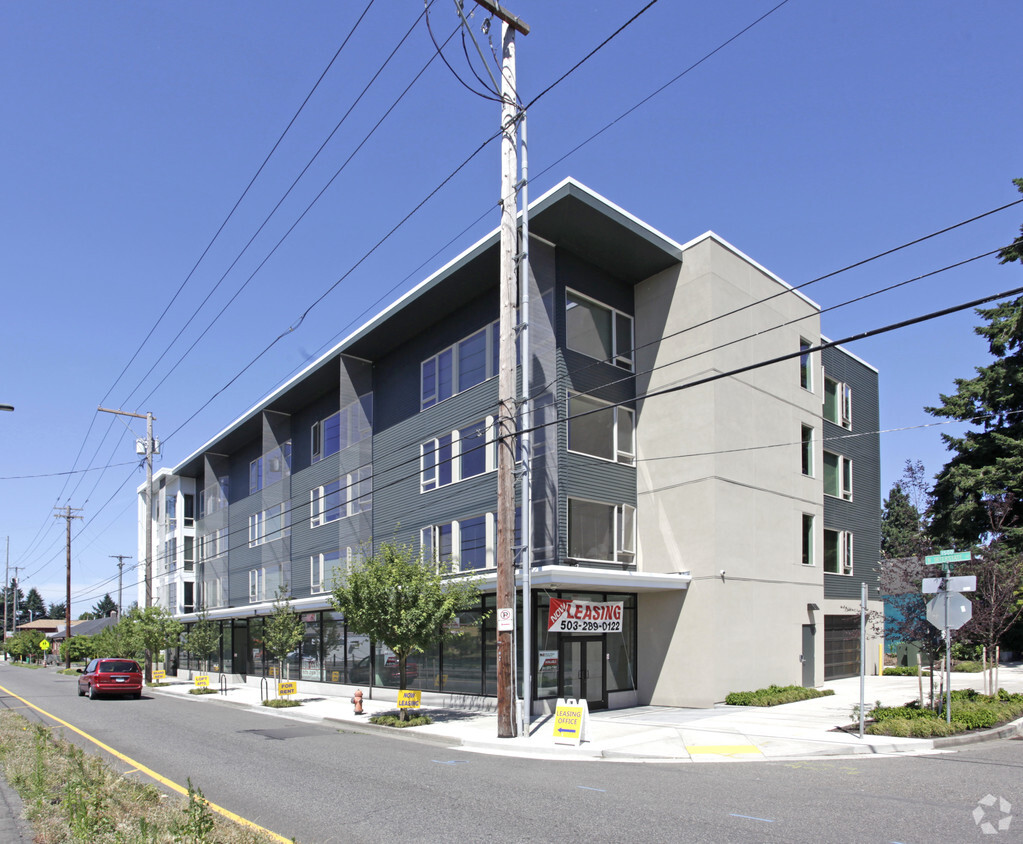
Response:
column 825, row 134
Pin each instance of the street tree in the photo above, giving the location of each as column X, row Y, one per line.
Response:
column 203, row 640
column 282, row 630
column 402, row 601
column 151, row 629
column 104, row 607
column 80, row 648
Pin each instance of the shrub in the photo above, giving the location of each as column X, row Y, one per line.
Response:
column 904, row 671
column 775, row 695
column 968, row 666
column 281, row 703
column 389, row 719
column 970, row 711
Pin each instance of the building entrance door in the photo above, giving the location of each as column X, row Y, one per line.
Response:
column 807, row 657
column 582, row 670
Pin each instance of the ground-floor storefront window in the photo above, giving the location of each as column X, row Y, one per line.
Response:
column 586, row 664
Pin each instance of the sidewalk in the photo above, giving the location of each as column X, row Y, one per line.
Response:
column 655, row 733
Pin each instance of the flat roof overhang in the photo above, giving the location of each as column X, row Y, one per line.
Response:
column 570, row 215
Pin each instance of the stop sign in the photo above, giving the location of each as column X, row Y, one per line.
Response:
column 960, row 610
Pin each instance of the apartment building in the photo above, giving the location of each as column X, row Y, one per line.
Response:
column 722, row 516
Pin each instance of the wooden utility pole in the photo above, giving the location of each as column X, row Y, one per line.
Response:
column 151, row 447
column 120, row 572
column 68, row 515
column 507, row 411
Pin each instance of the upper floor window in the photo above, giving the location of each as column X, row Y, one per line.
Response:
column 598, row 331
column 465, row 364
column 838, row 551
column 598, row 531
column 837, row 476
column 323, row 566
column 171, row 511
column 188, row 506
column 351, row 424
column 458, row 455
column 807, row 539
column 600, row 429
column 837, row 402
column 270, row 467
column 805, row 364
column 464, row 545
column 213, row 592
column 269, row 525
column 264, row 582
column 806, row 450
column 189, row 553
column 213, row 544
column 350, row 494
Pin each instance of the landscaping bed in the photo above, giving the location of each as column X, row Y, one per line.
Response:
column 970, row 711
column 775, row 695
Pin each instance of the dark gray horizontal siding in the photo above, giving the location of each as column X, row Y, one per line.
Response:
column 862, row 515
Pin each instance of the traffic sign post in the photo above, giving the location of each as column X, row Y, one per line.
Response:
column 948, row 557
column 948, row 611
column 933, row 585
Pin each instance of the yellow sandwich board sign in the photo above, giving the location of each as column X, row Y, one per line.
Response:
column 159, row 674
column 202, row 681
column 570, row 721
column 409, row 699
column 287, row 687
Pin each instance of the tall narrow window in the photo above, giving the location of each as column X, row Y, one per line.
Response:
column 806, row 450
column 837, row 402
column 807, row 539
column 805, row 365
column 838, row 551
column 837, row 476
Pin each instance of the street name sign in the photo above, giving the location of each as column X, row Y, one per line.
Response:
column 966, row 583
column 960, row 610
column 946, row 557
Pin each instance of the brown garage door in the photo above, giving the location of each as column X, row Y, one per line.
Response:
column 841, row 646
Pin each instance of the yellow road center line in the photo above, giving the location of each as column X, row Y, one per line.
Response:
column 723, row 749
column 149, row 771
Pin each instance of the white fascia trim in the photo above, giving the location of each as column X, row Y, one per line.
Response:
column 710, row 235
column 300, row 605
column 855, row 357
column 594, row 579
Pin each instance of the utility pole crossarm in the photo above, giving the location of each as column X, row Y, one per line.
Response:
column 495, row 9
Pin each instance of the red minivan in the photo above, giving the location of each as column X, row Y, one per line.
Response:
column 110, row 677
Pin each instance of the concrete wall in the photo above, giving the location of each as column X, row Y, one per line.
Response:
column 720, row 486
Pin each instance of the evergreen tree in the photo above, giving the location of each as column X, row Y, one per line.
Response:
column 900, row 525
column 987, row 461
column 57, row 610
column 104, row 607
column 34, row 607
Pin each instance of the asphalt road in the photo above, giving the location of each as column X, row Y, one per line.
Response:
column 321, row 784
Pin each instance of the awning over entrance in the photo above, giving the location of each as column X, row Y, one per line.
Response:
column 596, row 580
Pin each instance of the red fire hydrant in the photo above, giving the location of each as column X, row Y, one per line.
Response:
column 357, row 700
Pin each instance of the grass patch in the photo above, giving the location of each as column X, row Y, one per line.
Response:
column 67, row 671
column 970, row 711
column 775, row 695
column 71, row 796
column 158, row 685
column 201, row 691
column 281, row 703
column 390, row 719
column 904, row 671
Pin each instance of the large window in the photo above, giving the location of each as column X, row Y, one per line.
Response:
column 270, row 467
column 350, row 425
column 348, row 495
column 465, row 364
column 264, row 582
column 323, row 566
column 599, row 531
column 601, row 430
column 838, row 551
column 213, row 544
column 837, row 402
column 458, row 455
column 837, row 476
column 463, row 545
column 598, row 331
column 806, row 449
column 269, row 525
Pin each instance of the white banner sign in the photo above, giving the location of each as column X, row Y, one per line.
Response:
column 585, row 617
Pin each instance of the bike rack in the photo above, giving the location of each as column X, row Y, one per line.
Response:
column 264, row 688
column 223, row 684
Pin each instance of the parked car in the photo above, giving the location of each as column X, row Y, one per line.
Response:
column 110, row 676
